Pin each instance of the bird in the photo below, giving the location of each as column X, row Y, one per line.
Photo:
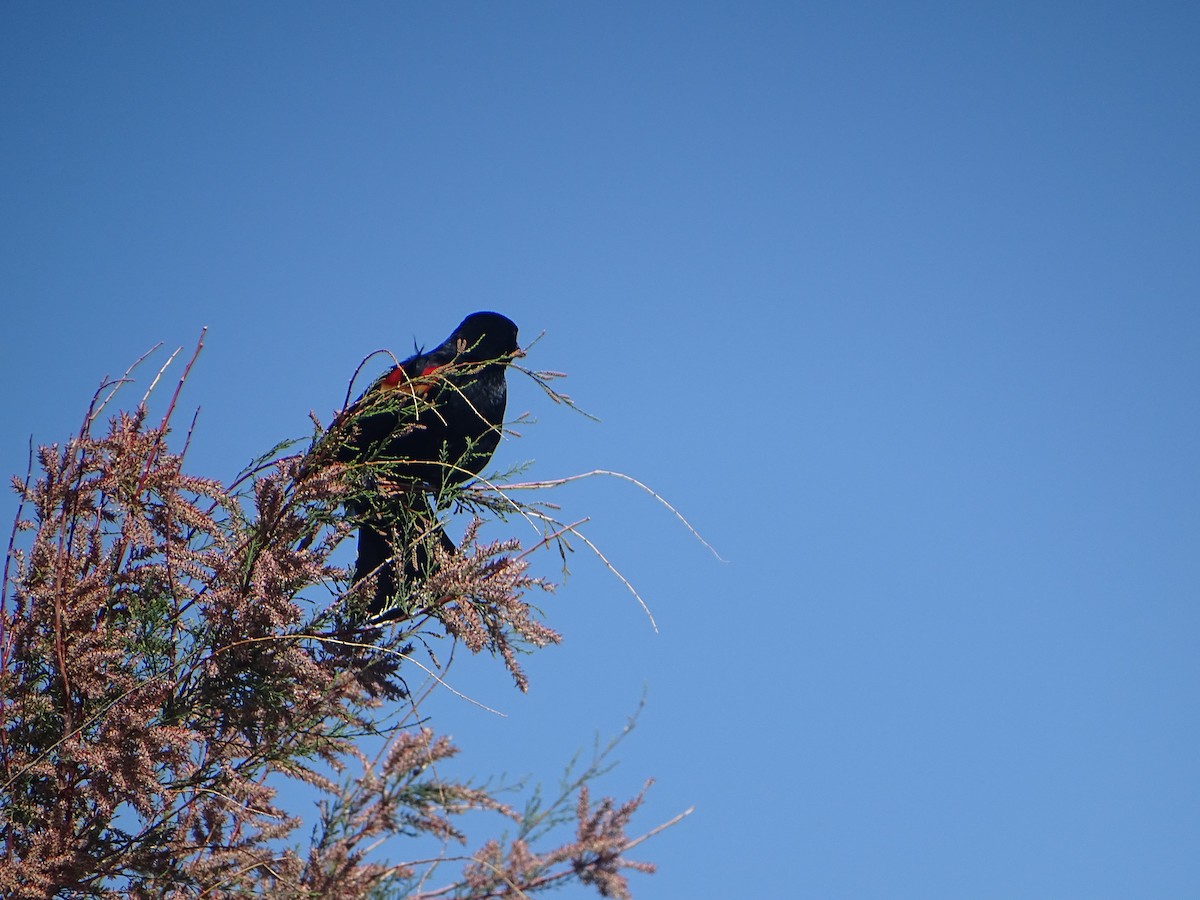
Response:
column 429, row 423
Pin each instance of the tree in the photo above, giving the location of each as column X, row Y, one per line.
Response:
column 173, row 650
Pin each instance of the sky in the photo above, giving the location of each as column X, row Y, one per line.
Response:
column 898, row 304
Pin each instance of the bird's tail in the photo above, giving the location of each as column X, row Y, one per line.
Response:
column 407, row 539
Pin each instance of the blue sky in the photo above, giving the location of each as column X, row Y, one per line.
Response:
column 899, row 304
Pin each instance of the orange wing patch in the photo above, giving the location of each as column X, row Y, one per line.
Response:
column 399, row 378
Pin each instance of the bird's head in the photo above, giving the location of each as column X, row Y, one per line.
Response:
column 486, row 336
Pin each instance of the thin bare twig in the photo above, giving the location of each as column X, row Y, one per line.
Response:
column 558, row 482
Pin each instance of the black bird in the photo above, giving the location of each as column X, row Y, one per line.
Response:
column 429, row 423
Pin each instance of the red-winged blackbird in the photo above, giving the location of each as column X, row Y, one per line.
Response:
column 431, row 422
